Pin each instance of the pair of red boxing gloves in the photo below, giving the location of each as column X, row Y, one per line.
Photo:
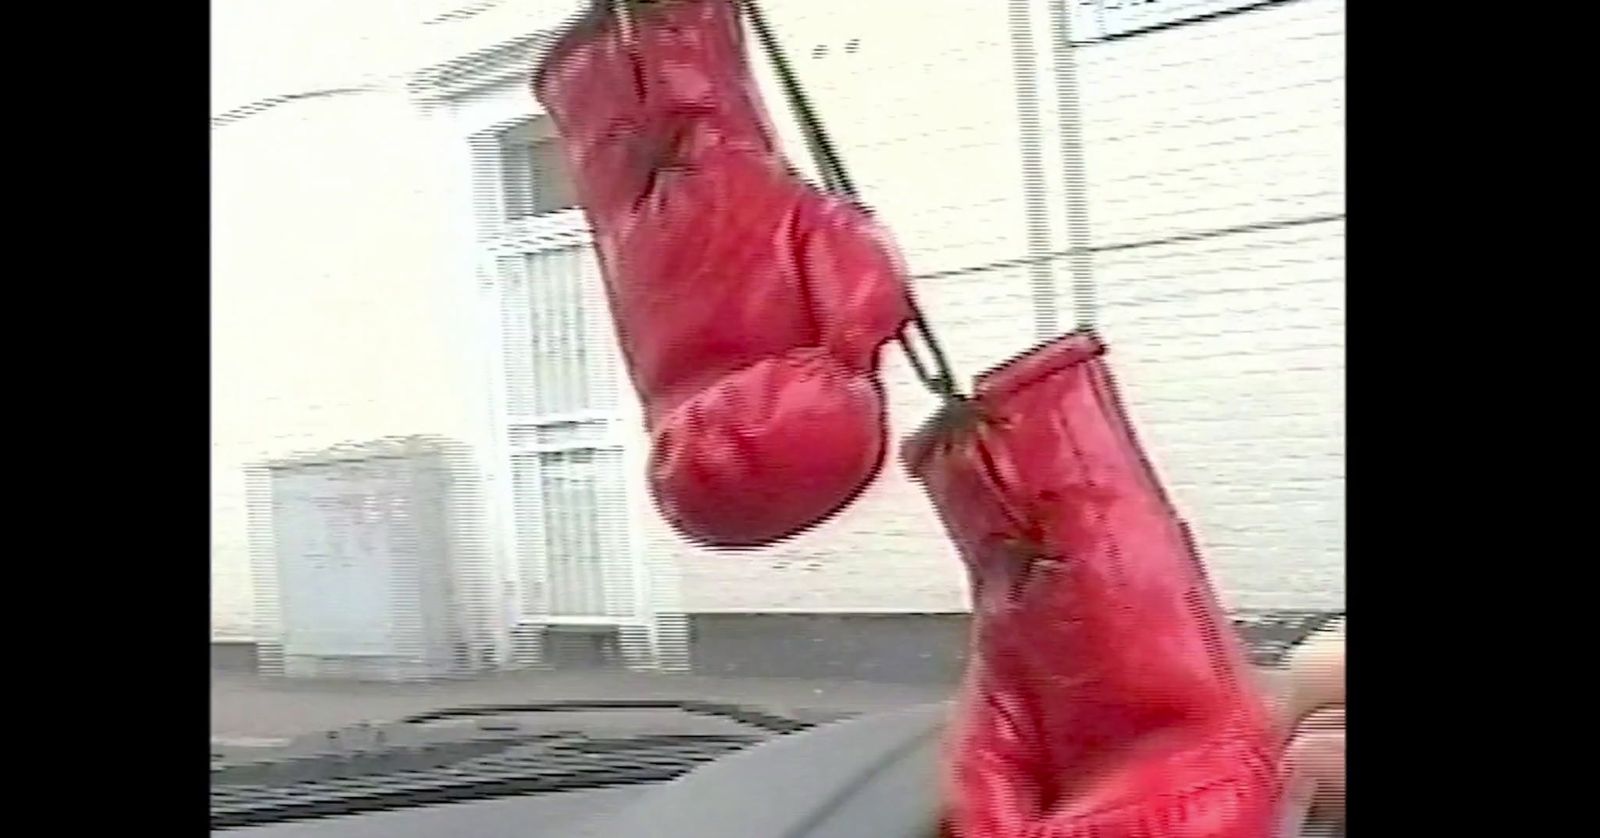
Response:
column 1106, row 695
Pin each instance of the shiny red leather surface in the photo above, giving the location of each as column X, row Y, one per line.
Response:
column 1108, row 695
column 750, row 307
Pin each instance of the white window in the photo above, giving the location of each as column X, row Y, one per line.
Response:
column 560, row 396
column 535, row 175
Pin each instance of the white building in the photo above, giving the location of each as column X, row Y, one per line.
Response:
column 393, row 258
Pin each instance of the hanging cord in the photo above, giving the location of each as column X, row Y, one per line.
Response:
column 834, row 177
column 938, row 379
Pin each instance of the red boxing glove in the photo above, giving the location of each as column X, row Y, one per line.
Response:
column 1107, row 696
column 750, row 308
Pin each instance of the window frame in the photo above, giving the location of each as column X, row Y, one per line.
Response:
column 504, row 241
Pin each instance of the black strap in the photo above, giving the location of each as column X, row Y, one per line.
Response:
column 834, row 177
column 938, row 379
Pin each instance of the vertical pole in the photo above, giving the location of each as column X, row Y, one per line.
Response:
column 1025, row 69
column 1080, row 260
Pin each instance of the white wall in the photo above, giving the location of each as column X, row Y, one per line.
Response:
column 343, row 308
column 338, row 310
column 332, row 303
column 1230, row 350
